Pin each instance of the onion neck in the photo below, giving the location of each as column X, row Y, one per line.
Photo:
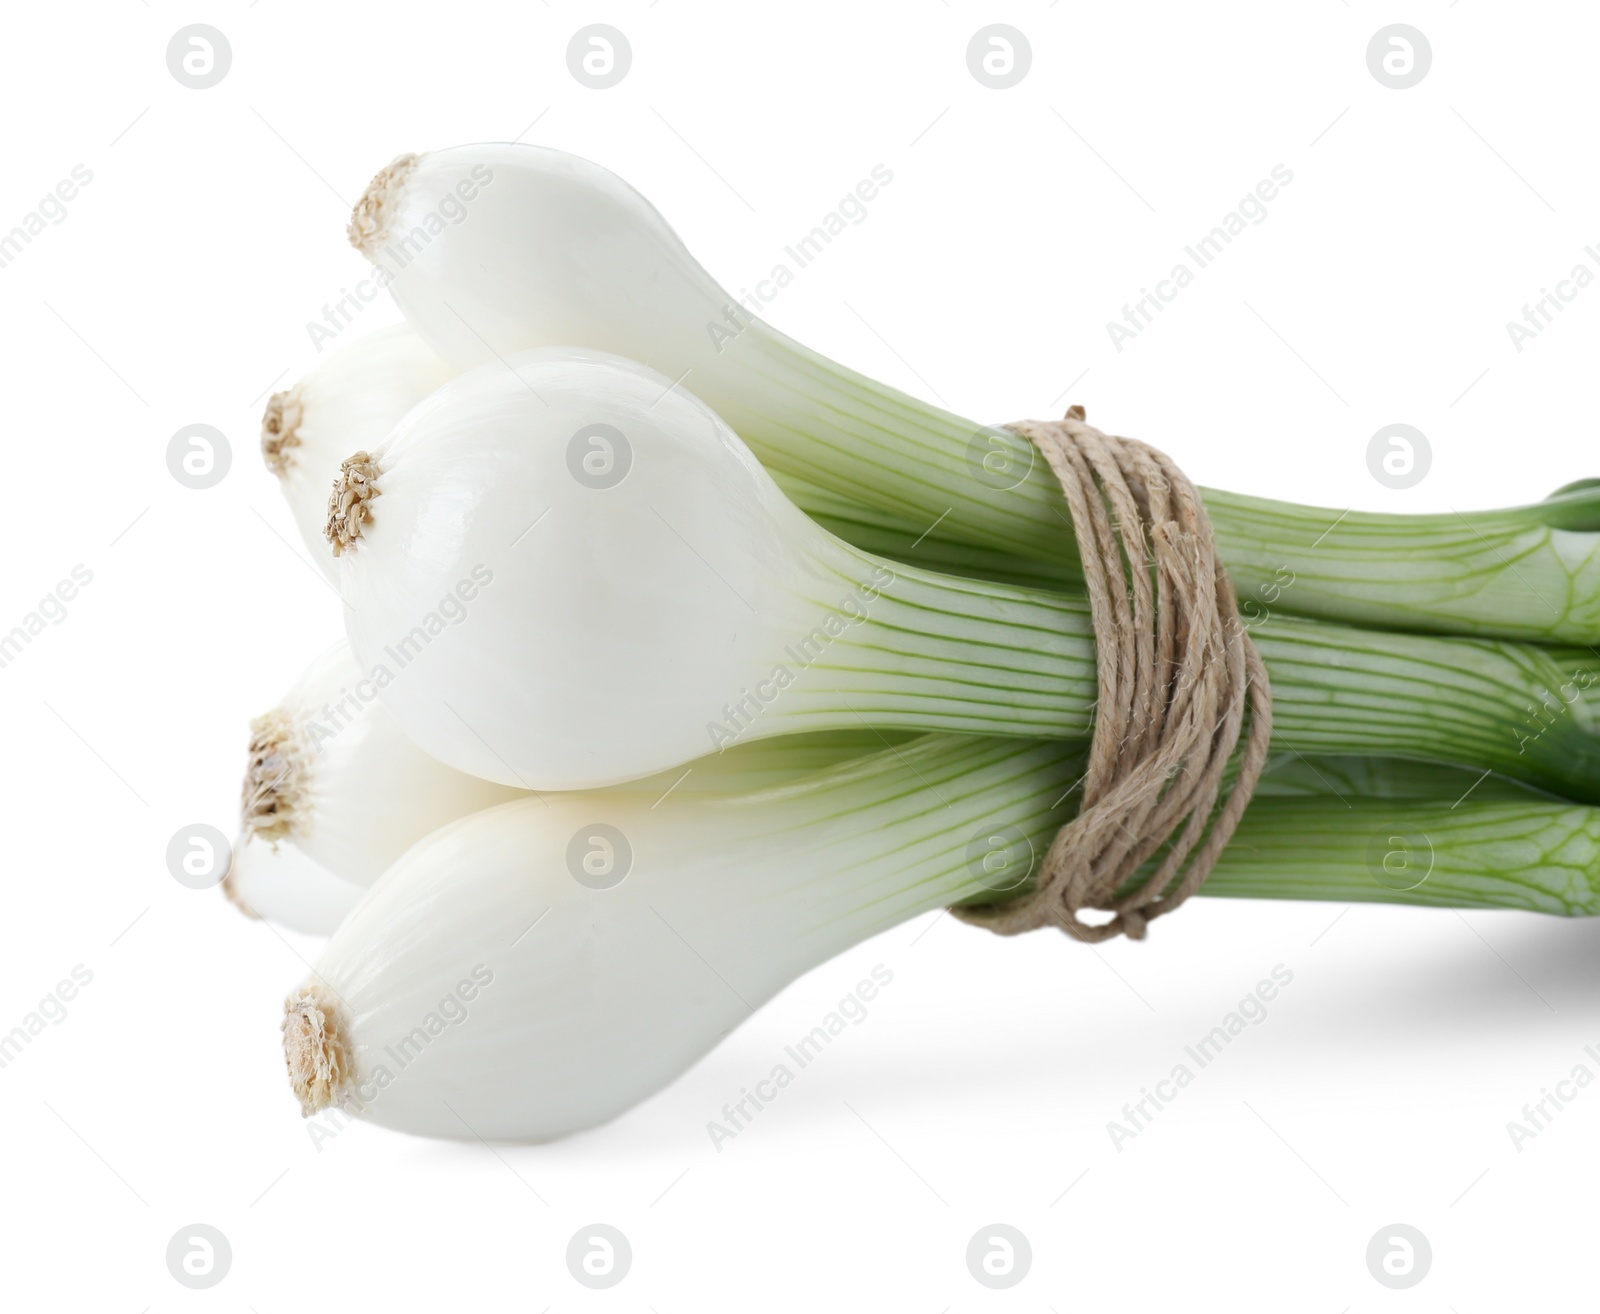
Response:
column 899, row 647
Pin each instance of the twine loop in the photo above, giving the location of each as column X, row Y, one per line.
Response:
column 1176, row 670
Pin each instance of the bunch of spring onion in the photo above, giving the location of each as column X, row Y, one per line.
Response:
column 649, row 645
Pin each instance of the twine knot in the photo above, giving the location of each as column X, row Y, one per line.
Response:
column 1176, row 670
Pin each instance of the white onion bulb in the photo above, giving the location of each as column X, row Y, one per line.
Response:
column 283, row 884
column 349, row 401
column 498, row 247
column 529, row 972
column 532, row 970
column 334, row 792
column 579, row 575
column 489, row 249
column 331, row 773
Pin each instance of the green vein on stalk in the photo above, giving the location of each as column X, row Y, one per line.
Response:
column 866, row 442
column 1510, row 848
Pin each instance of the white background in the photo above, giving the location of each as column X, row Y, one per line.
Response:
column 1019, row 222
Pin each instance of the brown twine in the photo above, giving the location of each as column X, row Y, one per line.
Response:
column 1176, row 668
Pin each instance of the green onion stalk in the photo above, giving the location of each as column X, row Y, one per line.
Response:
column 589, row 994
column 496, row 248
column 604, row 628
column 586, row 995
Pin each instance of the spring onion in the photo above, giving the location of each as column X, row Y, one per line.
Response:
column 358, row 393
column 666, row 600
column 351, row 400
column 629, row 730
column 334, row 792
column 282, row 884
column 331, row 773
column 495, row 248
column 493, row 984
